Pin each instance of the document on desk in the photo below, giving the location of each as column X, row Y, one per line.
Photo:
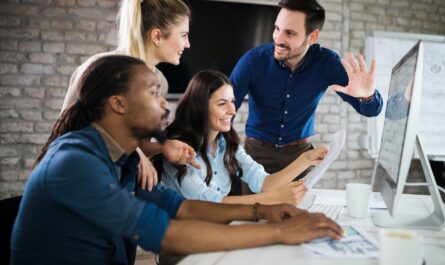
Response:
column 335, row 147
column 355, row 243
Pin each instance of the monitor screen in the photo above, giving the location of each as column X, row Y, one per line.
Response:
column 220, row 33
column 400, row 127
column 396, row 118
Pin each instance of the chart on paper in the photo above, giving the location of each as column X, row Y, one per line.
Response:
column 335, row 147
column 355, row 243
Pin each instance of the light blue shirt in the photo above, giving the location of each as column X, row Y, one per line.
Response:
column 193, row 184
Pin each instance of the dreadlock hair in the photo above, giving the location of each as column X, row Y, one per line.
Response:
column 191, row 125
column 107, row 76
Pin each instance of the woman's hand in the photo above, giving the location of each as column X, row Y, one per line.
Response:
column 291, row 193
column 315, row 156
column 177, row 152
column 147, row 175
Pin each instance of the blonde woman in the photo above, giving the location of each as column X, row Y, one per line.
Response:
column 154, row 31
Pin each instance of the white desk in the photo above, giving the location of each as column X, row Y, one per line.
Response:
column 282, row 254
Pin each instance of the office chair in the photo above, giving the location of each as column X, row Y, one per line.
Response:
column 8, row 212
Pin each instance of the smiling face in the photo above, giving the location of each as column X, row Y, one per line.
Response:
column 290, row 39
column 173, row 45
column 147, row 111
column 221, row 109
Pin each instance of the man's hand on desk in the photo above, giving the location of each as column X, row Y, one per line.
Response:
column 306, row 227
column 278, row 212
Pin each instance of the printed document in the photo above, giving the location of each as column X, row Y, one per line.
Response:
column 335, row 147
column 355, row 243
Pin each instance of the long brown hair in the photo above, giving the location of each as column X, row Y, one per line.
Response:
column 107, row 76
column 191, row 125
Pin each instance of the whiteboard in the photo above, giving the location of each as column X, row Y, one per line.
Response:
column 388, row 48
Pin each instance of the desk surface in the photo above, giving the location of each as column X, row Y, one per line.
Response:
column 434, row 241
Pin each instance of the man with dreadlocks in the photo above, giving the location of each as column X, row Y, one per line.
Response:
column 78, row 206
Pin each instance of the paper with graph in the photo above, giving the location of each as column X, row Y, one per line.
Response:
column 335, row 147
column 356, row 243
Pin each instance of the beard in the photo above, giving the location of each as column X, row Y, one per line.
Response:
column 160, row 134
column 290, row 54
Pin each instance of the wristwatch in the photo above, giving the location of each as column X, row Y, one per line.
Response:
column 366, row 99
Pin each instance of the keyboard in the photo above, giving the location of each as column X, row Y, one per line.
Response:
column 331, row 211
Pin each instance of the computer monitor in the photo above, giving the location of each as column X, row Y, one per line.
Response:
column 397, row 146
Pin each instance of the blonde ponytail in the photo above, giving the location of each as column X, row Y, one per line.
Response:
column 131, row 39
column 136, row 18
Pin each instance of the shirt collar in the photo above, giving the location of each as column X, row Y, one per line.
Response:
column 114, row 149
column 221, row 143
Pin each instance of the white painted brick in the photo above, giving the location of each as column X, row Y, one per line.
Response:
column 85, row 12
column 62, row 24
column 29, row 68
column 51, row 115
column 7, row 126
column 7, row 175
column 107, row 3
column 8, row 68
column 44, row 126
column 28, row 115
column 19, row 103
column 52, row 35
column 54, row 47
column 54, row 12
column 42, row 58
column 8, row 151
column 35, row 92
column 54, row 104
column 20, row 80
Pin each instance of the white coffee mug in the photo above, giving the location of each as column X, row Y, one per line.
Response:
column 357, row 199
column 399, row 246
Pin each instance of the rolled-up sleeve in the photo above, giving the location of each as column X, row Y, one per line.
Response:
column 253, row 173
column 84, row 183
column 165, row 198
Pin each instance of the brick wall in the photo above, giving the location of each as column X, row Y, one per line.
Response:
column 42, row 42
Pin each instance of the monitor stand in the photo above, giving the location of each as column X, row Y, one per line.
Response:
column 434, row 221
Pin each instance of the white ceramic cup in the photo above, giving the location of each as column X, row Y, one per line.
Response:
column 400, row 247
column 357, row 199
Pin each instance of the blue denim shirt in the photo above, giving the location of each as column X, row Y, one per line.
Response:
column 282, row 102
column 78, row 209
column 193, row 184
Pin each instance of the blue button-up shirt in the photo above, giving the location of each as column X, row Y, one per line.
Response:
column 77, row 207
column 282, row 102
column 193, row 184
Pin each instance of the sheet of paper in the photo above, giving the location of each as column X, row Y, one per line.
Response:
column 355, row 243
column 335, row 147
